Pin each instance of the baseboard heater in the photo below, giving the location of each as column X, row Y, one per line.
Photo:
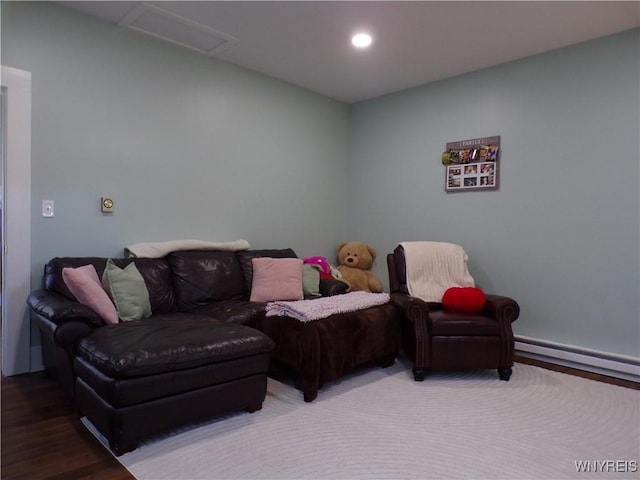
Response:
column 613, row 365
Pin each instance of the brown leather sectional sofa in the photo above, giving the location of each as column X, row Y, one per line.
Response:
column 184, row 285
column 125, row 377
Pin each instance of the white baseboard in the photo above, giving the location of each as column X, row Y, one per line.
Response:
column 613, row 365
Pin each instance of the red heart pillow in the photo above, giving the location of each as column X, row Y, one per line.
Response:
column 463, row 299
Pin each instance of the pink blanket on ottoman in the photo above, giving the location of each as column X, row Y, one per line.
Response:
column 317, row 308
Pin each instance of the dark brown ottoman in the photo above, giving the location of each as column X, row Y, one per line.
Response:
column 324, row 350
column 138, row 379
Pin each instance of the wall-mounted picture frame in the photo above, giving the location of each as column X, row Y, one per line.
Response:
column 472, row 164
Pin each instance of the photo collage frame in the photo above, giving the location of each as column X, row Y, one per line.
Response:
column 472, row 164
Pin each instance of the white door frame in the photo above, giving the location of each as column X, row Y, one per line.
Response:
column 16, row 254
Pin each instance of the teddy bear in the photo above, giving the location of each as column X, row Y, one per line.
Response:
column 355, row 260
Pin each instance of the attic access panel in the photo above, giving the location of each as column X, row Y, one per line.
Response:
column 472, row 164
column 165, row 25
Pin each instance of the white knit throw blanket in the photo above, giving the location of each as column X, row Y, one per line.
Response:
column 317, row 308
column 433, row 267
column 162, row 249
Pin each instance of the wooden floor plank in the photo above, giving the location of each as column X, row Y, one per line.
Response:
column 43, row 438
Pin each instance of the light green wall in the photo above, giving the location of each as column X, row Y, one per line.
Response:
column 188, row 146
column 561, row 235
column 191, row 147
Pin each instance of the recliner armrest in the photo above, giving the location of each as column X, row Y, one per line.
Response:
column 414, row 309
column 503, row 309
column 60, row 309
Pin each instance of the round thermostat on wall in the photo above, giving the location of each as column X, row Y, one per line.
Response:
column 107, row 205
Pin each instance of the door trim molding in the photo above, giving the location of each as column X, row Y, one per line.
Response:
column 16, row 265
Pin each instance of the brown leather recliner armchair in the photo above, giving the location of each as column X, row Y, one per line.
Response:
column 436, row 339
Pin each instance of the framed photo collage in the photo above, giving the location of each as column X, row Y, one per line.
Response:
column 472, row 164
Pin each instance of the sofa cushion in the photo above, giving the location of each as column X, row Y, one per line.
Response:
column 449, row 324
column 276, row 279
column 241, row 312
column 122, row 392
column 128, row 291
column 168, row 343
column 156, row 274
column 246, row 256
column 201, row 277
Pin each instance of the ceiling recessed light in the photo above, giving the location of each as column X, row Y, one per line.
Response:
column 361, row 40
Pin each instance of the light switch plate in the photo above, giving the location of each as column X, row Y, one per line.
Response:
column 48, row 208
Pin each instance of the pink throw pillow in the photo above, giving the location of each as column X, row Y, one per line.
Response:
column 276, row 279
column 85, row 285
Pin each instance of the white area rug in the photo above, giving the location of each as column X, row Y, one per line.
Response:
column 380, row 424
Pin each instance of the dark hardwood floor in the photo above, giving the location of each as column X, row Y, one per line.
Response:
column 43, row 438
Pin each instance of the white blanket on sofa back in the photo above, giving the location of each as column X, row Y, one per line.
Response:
column 162, row 249
column 433, row 267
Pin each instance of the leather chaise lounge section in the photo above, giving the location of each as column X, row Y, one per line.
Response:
column 130, row 392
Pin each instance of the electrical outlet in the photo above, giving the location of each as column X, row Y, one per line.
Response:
column 48, row 208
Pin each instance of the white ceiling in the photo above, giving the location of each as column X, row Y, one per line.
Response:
column 307, row 43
